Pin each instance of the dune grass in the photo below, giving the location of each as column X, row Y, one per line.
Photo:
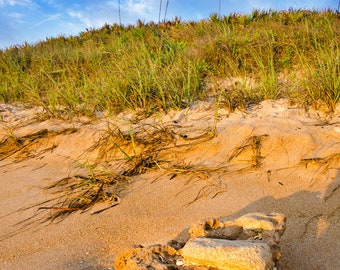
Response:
column 157, row 67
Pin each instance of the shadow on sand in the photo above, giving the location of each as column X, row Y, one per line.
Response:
column 312, row 238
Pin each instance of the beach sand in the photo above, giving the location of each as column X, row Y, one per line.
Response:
column 272, row 157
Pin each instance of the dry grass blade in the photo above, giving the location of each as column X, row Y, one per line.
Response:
column 328, row 161
column 201, row 174
column 141, row 163
column 254, row 143
column 81, row 192
column 210, row 189
column 322, row 165
column 206, row 135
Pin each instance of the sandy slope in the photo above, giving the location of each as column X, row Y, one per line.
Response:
column 296, row 172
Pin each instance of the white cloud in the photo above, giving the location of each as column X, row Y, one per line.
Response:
column 15, row 15
column 83, row 18
column 96, row 14
column 22, row 3
column 147, row 10
column 73, row 13
column 137, row 7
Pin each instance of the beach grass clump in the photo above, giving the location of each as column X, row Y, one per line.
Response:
column 322, row 67
column 157, row 67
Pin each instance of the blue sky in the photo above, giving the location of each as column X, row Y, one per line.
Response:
column 34, row 20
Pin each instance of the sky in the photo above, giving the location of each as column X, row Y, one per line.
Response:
column 35, row 20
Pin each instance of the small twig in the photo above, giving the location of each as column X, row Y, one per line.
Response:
column 59, row 208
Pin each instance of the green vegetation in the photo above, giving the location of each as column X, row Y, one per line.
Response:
column 293, row 54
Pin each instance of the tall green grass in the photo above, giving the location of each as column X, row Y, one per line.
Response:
column 157, row 67
column 322, row 66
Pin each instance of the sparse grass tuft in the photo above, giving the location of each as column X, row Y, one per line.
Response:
column 81, row 192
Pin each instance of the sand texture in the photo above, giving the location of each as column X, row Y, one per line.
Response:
column 203, row 162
